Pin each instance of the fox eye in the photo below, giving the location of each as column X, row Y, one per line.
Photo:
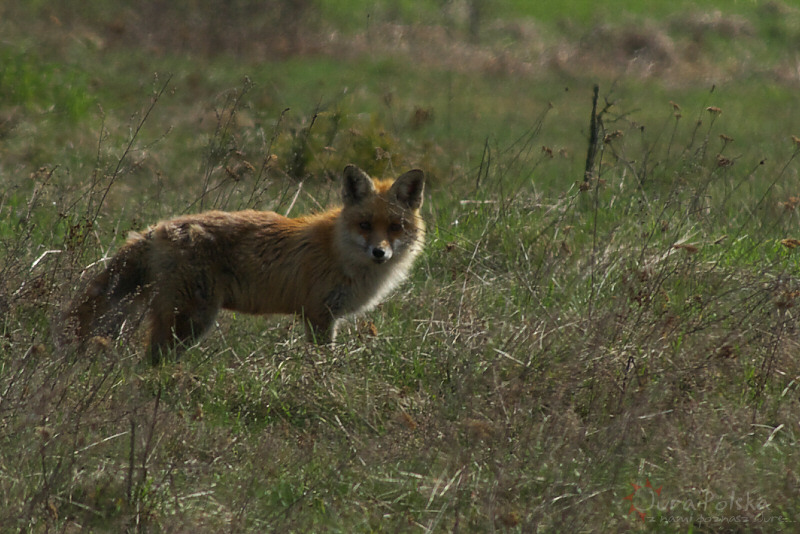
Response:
column 395, row 227
column 365, row 225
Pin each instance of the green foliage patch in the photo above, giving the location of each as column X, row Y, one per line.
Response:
column 40, row 86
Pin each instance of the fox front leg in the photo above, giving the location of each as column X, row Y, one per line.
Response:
column 320, row 331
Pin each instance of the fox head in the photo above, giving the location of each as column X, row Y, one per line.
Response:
column 381, row 218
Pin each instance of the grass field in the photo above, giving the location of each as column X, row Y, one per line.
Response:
column 605, row 352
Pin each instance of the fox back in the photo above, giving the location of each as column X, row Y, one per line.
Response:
column 323, row 267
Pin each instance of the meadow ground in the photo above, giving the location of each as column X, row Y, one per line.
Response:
column 593, row 341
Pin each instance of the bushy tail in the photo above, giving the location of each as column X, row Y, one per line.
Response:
column 109, row 298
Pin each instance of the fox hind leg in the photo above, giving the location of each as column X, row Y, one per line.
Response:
column 177, row 333
column 178, row 329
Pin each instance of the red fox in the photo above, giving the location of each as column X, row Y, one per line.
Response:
column 323, row 267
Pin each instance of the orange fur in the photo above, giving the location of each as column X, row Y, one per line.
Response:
column 322, row 267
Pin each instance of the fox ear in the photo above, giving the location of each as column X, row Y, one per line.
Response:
column 356, row 185
column 408, row 189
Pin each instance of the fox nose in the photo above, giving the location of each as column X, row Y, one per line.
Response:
column 380, row 254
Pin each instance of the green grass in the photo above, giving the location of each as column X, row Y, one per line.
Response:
column 557, row 341
column 40, row 86
column 358, row 12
